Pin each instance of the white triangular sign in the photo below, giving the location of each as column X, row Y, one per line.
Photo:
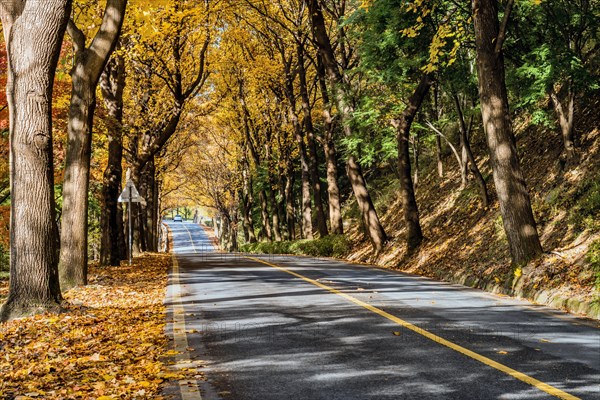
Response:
column 130, row 193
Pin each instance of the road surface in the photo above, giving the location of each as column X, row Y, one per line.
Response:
column 282, row 327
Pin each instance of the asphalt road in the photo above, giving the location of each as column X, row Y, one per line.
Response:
column 282, row 327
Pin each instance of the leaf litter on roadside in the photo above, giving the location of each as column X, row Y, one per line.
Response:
column 109, row 343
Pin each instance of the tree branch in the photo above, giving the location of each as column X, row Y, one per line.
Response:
column 106, row 38
column 77, row 36
column 502, row 32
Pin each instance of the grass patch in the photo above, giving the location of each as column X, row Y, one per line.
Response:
column 329, row 246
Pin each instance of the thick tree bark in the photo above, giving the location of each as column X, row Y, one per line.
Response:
column 33, row 32
column 89, row 64
column 370, row 218
column 74, row 236
column 112, row 245
column 467, row 154
column 414, row 234
column 311, row 145
column 515, row 204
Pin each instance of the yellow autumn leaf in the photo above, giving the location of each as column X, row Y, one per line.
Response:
column 518, row 272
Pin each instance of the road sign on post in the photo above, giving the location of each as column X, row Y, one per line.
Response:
column 130, row 195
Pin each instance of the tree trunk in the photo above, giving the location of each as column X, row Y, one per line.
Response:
column 414, row 234
column 89, row 64
column 467, row 155
column 156, row 216
column 416, row 145
column 515, row 205
column 150, row 215
column 140, row 224
column 335, row 208
column 74, row 236
column 33, row 32
column 438, row 155
column 136, row 214
column 247, row 204
column 307, row 228
column 245, row 222
column 112, row 84
column 225, row 236
column 333, row 190
column 371, row 220
column 305, row 177
column 281, row 202
column 438, row 140
column 274, row 213
column 271, row 189
column 312, row 148
column 233, row 233
column 289, row 200
column 121, row 231
column 565, row 120
column 264, row 213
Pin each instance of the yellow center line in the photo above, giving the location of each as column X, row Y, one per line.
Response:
column 469, row 353
column 191, row 240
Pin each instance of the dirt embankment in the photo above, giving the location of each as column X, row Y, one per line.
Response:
column 465, row 243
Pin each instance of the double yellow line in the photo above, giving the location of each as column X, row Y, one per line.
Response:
column 469, row 353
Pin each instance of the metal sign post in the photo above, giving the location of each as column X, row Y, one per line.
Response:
column 130, row 195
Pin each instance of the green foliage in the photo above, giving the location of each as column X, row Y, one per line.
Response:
column 373, row 139
column 328, row 246
column 553, row 48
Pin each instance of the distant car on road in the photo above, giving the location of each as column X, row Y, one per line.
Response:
column 178, row 218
